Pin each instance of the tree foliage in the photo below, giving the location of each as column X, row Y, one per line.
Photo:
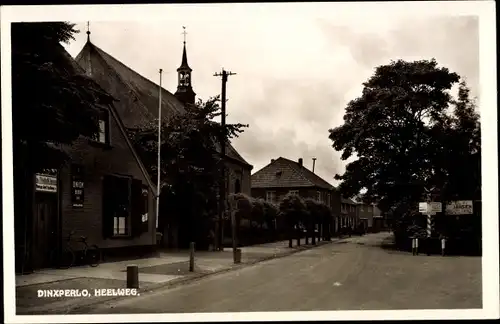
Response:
column 190, row 164
column 405, row 137
column 52, row 99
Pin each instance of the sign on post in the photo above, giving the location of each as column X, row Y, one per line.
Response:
column 460, row 207
column 429, row 208
column 435, row 207
column 422, row 207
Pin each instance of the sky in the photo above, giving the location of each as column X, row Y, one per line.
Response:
column 295, row 72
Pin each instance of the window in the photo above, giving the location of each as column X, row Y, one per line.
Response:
column 361, row 207
column 294, row 192
column 318, row 196
column 343, row 207
column 125, row 207
column 237, row 186
column 103, row 135
column 328, row 197
column 271, row 196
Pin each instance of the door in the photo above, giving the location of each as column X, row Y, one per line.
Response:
column 45, row 230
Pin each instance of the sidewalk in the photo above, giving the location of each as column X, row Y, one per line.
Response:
column 167, row 269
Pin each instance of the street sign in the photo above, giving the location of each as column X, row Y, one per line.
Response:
column 422, row 207
column 435, row 207
column 460, row 207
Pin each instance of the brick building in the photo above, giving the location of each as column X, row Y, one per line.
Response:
column 365, row 215
column 103, row 192
column 348, row 213
column 138, row 104
column 283, row 176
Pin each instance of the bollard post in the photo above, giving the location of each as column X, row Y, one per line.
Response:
column 443, row 246
column 413, row 246
column 133, row 276
column 237, row 256
column 191, row 257
column 416, row 246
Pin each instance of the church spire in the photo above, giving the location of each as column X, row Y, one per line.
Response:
column 184, row 63
column 185, row 91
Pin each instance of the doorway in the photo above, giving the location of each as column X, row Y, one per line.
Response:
column 45, row 230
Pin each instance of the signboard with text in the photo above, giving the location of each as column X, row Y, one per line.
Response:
column 77, row 186
column 429, row 208
column 460, row 207
column 45, row 182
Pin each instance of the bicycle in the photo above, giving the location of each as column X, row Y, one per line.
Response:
column 91, row 253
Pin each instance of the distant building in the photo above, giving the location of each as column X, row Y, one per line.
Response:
column 348, row 213
column 283, row 176
column 365, row 214
column 138, row 105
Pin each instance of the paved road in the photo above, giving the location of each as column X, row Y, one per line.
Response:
column 356, row 275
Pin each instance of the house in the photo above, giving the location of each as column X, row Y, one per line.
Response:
column 103, row 192
column 365, row 215
column 348, row 213
column 138, row 104
column 380, row 222
column 283, row 176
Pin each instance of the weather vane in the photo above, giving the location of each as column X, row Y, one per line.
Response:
column 184, row 33
column 88, row 30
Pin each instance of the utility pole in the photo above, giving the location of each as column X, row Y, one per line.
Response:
column 222, row 187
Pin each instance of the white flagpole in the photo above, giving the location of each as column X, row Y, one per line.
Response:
column 159, row 148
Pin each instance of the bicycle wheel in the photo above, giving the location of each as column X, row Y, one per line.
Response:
column 67, row 259
column 93, row 255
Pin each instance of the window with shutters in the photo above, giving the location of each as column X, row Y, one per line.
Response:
column 125, row 207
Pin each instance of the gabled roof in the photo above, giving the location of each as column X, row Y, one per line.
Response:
column 139, row 97
column 348, row 201
column 78, row 69
column 285, row 173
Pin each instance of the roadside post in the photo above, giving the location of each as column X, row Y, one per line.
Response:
column 191, row 256
column 416, row 245
column 429, row 208
column 443, row 246
column 413, row 245
column 233, row 205
column 133, row 276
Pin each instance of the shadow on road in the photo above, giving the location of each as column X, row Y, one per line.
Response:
column 433, row 246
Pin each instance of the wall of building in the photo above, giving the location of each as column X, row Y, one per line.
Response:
column 365, row 211
column 98, row 161
column 237, row 171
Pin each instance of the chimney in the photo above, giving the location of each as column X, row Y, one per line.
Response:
column 272, row 160
column 314, row 163
column 301, row 162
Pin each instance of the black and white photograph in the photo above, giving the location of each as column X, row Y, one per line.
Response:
column 250, row 161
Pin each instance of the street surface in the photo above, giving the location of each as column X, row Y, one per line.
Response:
column 355, row 275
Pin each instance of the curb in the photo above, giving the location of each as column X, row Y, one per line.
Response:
column 79, row 309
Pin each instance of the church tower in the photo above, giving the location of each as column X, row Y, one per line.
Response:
column 185, row 91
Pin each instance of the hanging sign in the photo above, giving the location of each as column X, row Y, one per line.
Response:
column 46, row 181
column 77, row 186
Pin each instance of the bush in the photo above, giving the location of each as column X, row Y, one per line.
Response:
column 257, row 211
column 293, row 209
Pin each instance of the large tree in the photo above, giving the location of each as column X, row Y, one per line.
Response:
column 53, row 101
column 401, row 131
column 190, row 164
